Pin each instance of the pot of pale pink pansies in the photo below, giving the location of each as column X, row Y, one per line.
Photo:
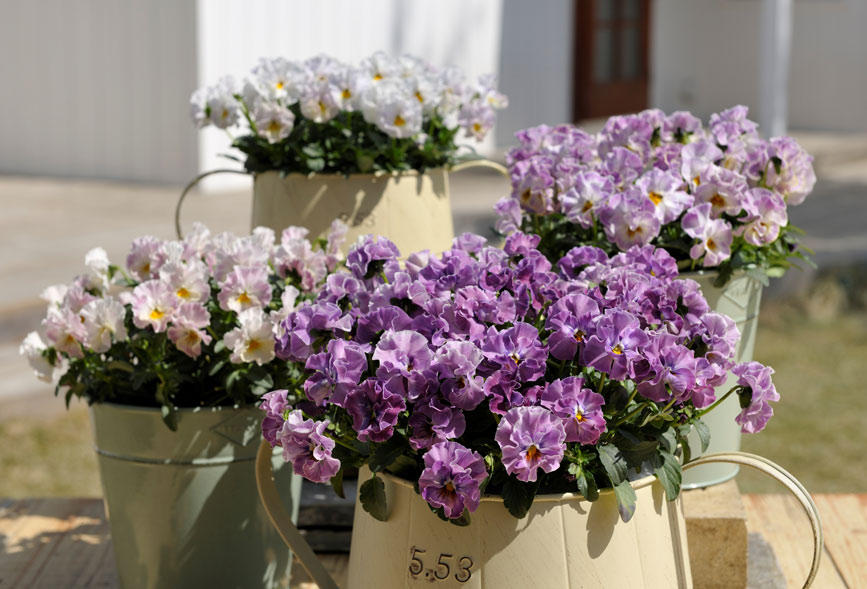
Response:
column 715, row 197
column 172, row 353
column 371, row 144
column 507, row 409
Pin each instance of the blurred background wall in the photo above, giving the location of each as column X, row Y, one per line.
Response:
column 99, row 89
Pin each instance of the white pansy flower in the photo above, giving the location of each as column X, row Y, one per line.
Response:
column 253, row 341
column 103, row 324
column 32, row 348
column 380, row 66
column 273, row 122
column 278, row 79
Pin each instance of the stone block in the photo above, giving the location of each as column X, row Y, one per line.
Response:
column 716, row 530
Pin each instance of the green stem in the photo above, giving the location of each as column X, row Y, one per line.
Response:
column 718, row 401
column 641, row 407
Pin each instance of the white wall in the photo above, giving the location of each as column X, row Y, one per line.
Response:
column 535, row 65
column 97, row 89
column 705, row 58
column 233, row 35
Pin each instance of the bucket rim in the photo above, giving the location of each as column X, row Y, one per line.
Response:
column 355, row 175
column 550, row 497
column 157, row 410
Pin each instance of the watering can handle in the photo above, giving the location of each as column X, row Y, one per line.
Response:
column 190, row 186
column 794, row 486
column 283, row 523
column 481, row 163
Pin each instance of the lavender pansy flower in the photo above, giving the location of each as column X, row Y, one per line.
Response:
column 578, row 407
column 452, row 478
column 758, row 391
column 531, row 438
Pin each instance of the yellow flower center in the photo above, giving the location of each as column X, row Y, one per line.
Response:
column 183, row 293
column 711, row 244
column 579, row 416
column 419, row 96
column 633, row 232
column 346, row 94
column 279, row 85
column 225, row 113
column 253, row 345
column 579, row 336
column 515, row 358
column 244, row 298
column 526, row 195
column 717, row 201
column 274, row 127
column 697, row 180
column 618, row 349
column 322, row 107
column 191, row 338
column 587, row 206
column 157, row 314
column 399, row 121
column 533, row 453
column 655, row 197
column 449, row 488
column 377, row 77
column 477, row 128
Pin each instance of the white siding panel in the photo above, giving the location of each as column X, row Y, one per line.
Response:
column 86, row 90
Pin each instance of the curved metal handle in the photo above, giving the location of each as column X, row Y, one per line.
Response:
column 481, row 163
column 283, row 523
column 190, row 186
column 794, row 486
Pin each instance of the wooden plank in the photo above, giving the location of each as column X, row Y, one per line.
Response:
column 844, row 519
column 337, row 566
column 56, row 543
column 783, row 524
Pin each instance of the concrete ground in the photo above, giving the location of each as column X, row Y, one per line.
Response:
column 47, row 226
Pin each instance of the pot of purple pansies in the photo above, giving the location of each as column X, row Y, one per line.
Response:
column 505, row 409
column 715, row 197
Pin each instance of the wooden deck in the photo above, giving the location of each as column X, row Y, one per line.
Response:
column 60, row 543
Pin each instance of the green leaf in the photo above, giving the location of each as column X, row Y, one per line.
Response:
column 518, row 496
column 216, row 367
column 586, row 482
column 387, row 452
column 613, row 463
column 668, row 440
column 337, row 484
column 669, row 475
column 703, row 432
column 372, row 497
column 170, row 417
column 625, row 495
column 315, row 164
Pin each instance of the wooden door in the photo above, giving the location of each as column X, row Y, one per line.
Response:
column 610, row 57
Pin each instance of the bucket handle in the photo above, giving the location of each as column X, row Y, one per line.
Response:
column 191, row 185
column 283, row 523
column 793, row 485
column 481, row 163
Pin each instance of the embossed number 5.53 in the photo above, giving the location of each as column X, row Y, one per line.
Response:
column 442, row 569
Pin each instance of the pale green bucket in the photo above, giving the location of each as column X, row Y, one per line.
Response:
column 183, row 506
column 740, row 299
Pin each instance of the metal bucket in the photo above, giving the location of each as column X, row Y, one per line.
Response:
column 739, row 299
column 564, row 541
column 183, row 506
column 411, row 209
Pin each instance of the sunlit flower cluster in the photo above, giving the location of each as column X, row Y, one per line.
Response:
column 398, row 97
column 204, row 305
column 703, row 193
column 495, row 364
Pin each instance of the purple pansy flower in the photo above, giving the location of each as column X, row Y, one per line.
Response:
column 452, row 478
column 578, row 407
column 374, row 406
column 756, row 379
column 531, row 438
column 307, row 447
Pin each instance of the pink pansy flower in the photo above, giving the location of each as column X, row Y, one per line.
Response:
column 142, row 259
column 152, row 305
column 245, row 288
column 64, row 330
column 188, row 281
column 188, row 328
column 253, row 341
